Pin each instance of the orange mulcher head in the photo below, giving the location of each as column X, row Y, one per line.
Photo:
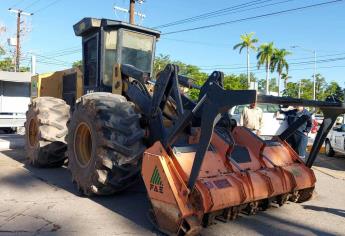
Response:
column 217, row 172
column 243, row 175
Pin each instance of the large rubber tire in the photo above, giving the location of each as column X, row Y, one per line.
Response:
column 328, row 148
column 105, row 144
column 45, row 132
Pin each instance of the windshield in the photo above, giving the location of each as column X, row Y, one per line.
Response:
column 137, row 50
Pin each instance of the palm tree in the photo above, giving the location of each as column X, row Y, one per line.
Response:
column 279, row 63
column 248, row 42
column 285, row 77
column 264, row 57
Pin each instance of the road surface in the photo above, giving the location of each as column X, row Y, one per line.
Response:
column 45, row 202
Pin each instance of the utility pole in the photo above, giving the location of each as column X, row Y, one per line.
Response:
column 314, row 77
column 131, row 12
column 19, row 14
column 314, row 74
column 299, row 88
column 33, row 64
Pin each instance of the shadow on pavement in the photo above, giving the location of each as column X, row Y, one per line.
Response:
column 267, row 224
column 131, row 204
column 334, row 211
column 334, row 163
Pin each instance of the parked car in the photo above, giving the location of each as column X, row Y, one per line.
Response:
column 335, row 141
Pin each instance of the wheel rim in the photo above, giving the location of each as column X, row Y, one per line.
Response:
column 83, row 144
column 33, row 132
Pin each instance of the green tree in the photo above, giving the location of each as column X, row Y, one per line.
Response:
column 285, row 77
column 320, row 87
column 306, row 89
column 78, row 64
column 279, row 63
column 190, row 71
column 272, row 87
column 159, row 63
column 235, row 82
column 247, row 42
column 264, row 57
column 291, row 90
column 24, row 69
column 333, row 89
column 7, row 65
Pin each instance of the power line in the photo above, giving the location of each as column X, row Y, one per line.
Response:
column 31, row 4
column 294, row 69
column 51, row 58
column 211, row 14
column 253, row 17
column 47, row 6
column 62, row 52
column 65, row 53
column 241, row 66
column 49, row 61
column 76, row 47
column 255, row 68
column 197, row 42
column 18, row 3
column 231, row 11
column 230, row 47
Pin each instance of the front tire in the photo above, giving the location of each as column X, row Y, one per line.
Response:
column 45, row 132
column 104, row 144
column 328, row 148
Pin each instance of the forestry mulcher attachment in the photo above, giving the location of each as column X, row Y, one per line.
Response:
column 116, row 123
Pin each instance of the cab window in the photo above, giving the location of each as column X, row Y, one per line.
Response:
column 110, row 44
column 90, row 59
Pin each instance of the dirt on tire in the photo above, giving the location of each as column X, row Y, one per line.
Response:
column 46, row 131
column 105, row 144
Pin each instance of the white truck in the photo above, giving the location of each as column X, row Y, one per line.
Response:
column 272, row 124
column 335, row 141
column 14, row 99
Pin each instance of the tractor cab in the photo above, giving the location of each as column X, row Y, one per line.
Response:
column 107, row 43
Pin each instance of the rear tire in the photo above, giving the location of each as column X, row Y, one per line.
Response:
column 328, row 148
column 45, row 132
column 105, row 144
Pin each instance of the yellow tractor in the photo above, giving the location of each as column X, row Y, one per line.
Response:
column 113, row 123
column 87, row 113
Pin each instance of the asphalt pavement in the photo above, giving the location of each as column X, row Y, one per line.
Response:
column 44, row 202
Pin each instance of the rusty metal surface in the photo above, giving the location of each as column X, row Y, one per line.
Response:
column 272, row 173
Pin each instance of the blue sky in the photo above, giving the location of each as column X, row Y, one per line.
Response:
column 321, row 29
